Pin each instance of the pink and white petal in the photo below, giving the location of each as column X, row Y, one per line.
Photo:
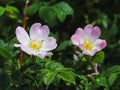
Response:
column 100, row 44
column 79, row 31
column 96, row 32
column 90, row 53
column 39, row 32
column 45, row 31
column 77, row 36
column 49, row 44
column 88, row 28
column 22, row 35
column 27, row 50
column 42, row 55
column 17, row 45
column 81, row 46
column 34, row 30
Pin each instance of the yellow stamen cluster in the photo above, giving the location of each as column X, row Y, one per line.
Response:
column 88, row 45
column 35, row 44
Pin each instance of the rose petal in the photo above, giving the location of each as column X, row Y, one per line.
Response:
column 17, row 45
column 90, row 53
column 22, row 35
column 96, row 32
column 100, row 44
column 42, row 55
column 77, row 36
column 27, row 50
column 49, row 44
column 38, row 31
column 88, row 28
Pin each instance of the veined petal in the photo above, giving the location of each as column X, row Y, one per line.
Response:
column 90, row 53
column 22, row 35
column 42, row 55
column 17, row 45
column 38, row 31
column 27, row 50
column 77, row 36
column 49, row 44
column 96, row 32
column 88, row 28
column 100, row 44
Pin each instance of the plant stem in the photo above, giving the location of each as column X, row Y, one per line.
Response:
column 24, row 26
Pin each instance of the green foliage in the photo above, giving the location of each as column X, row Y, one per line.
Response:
column 112, row 78
column 12, row 11
column 48, row 14
column 64, row 45
column 2, row 10
column 33, row 8
column 62, row 9
column 102, row 81
column 60, row 71
column 55, row 71
column 51, row 14
column 99, row 57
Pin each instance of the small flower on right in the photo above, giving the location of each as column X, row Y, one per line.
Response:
column 87, row 39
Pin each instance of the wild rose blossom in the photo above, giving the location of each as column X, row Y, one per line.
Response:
column 38, row 43
column 87, row 39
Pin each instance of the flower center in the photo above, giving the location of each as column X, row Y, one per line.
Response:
column 88, row 45
column 35, row 44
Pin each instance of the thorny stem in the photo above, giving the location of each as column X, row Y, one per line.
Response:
column 95, row 69
column 25, row 14
column 24, row 25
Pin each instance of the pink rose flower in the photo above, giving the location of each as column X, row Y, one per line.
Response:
column 38, row 43
column 87, row 40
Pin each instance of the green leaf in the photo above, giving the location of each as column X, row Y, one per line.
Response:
column 2, row 10
column 62, row 9
column 49, row 77
column 64, row 45
column 32, row 9
column 41, row 75
column 47, row 14
column 112, row 78
column 52, row 65
column 46, row 76
column 99, row 57
column 67, row 76
column 1, row 43
column 102, row 81
column 11, row 9
column 5, row 53
column 113, row 69
column 83, row 80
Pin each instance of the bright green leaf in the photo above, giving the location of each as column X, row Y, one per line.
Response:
column 99, row 57
column 112, row 78
column 113, row 69
column 11, row 9
column 49, row 77
column 2, row 10
column 62, row 9
column 67, row 76
column 52, row 65
column 83, row 80
column 32, row 9
column 47, row 14
column 102, row 81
